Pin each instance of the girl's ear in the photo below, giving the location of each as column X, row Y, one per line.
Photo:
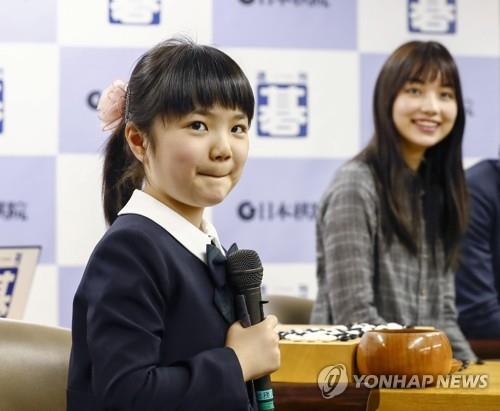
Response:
column 136, row 141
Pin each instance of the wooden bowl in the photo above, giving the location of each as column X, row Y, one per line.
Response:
column 405, row 352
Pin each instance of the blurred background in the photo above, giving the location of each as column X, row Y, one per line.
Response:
column 312, row 64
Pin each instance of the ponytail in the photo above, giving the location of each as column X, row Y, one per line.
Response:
column 122, row 174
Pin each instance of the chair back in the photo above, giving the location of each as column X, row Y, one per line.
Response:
column 33, row 366
column 486, row 349
column 288, row 309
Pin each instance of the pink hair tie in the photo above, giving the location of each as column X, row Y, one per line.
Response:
column 111, row 106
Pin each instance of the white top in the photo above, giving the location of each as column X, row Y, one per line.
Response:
column 191, row 237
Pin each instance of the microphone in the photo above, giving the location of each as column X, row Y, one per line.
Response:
column 245, row 276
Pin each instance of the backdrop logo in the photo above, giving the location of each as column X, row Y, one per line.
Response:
column 282, row 106
column 145, row 12
column 276, row 211
column 469, row 106
column 8, row 276
column 1, row 101
column 432, row 16
column 93, row 99
column 13, row 210
column 296, row 3
column 303, row 290
column 332, row 380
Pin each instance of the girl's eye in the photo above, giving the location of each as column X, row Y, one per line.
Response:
column 239, row 129
column 198, row 126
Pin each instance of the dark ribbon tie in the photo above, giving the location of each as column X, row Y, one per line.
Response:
column 223, row 297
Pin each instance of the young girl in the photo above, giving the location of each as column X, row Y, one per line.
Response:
column 153, row 320
column 390, row 223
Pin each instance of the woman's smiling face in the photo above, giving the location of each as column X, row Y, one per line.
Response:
column 424, row 114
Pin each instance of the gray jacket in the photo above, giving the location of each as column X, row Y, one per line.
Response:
column 362, row 279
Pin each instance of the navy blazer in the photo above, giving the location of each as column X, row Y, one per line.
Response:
column 147, row 334
column 478, row 279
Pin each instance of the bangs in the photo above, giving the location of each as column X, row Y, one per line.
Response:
column 430, row 71
column 200, row 77
column 428, row 62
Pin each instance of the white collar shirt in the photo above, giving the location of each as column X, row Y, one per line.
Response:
column 192, row 238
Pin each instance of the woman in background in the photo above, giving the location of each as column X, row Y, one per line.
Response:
column 390, row 223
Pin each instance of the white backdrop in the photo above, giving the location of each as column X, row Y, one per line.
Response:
column 318, row 57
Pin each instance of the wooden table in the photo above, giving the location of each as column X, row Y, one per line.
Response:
column 307, row 397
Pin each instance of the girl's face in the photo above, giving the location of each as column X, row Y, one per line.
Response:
column 424, row 114
column 197, row 159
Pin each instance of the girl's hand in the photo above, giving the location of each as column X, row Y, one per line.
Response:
column 256, row 347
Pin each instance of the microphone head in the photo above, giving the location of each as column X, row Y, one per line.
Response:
column 244, row 269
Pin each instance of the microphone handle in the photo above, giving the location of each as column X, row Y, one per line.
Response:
column 253, row 303
column 255, row 313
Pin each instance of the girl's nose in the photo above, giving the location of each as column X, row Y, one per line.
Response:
column 221, row 148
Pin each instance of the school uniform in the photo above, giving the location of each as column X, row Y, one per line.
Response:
column 150, row 319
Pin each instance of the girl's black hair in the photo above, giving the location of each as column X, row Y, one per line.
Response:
column 440, row 175
column 172, row 79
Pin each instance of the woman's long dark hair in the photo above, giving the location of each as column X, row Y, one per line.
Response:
column 172, row 79
column 440, row 175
